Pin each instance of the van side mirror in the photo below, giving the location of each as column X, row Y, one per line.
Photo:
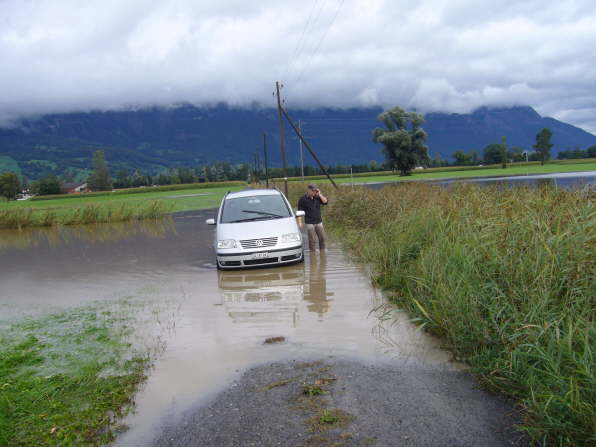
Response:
column 300, row 213
column 210, row 221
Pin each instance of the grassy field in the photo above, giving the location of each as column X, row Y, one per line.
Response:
column 462, row 172
column 182, row 200
column 505, row 277
column 70, row 377
column 492, row 172
column 108, row 208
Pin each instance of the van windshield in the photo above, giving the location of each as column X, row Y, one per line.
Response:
column 251, row 208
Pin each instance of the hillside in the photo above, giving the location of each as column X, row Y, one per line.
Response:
column 157, row 138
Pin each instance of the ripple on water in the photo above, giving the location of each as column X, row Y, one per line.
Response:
column 325, row 306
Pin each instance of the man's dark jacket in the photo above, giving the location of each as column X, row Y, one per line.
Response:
column 312, row 209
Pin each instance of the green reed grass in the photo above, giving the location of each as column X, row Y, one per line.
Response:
column 505, row 275
column 17, row 218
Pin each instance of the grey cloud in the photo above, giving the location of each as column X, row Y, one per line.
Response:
column 438, row 56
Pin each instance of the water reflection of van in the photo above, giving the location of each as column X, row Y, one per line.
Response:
column 262, row 296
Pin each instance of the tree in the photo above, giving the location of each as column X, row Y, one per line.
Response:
column 591, row 152
column 492, row 154
column 9, row 185
column 100, row 179
column 122, row 179
column 503, row 152
column 475, row 158
column 438, row 161
column 543, row 144
column 138, row 179
column 461, row 158
column 516, row 154
column 402, row 139
column 47, row 185
column 186, row 175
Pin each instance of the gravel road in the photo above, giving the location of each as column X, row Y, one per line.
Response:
column 347, row 403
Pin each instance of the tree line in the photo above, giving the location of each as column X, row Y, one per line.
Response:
column 403, row 140
column 403, row 144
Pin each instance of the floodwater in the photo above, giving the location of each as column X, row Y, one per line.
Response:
column 566, row 180
column 323, row 307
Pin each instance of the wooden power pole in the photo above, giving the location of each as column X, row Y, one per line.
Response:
column 265, row 158
column 295, row 128
column 282, row 144
column 301, row 151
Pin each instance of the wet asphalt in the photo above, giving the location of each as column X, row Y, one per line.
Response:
column 374, row 406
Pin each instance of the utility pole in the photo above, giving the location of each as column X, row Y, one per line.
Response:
column 265, row 156
column 295, row 128
column 282, row 146
column 301, row 151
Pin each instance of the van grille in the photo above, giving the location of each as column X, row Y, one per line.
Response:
column 259, row 243
column 260, row 261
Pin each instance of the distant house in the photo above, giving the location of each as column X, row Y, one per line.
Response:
column 77, row 187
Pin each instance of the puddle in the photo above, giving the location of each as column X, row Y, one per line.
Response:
column 323, row 307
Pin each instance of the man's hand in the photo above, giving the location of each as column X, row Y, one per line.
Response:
column 320, row 196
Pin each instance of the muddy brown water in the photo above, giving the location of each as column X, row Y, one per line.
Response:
column 324, row 307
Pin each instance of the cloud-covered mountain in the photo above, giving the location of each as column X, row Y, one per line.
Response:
column 59, row 56
column 157, row 138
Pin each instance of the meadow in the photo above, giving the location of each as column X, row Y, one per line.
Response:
column 505, row 276
column 141, row 203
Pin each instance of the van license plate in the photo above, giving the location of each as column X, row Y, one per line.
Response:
column 261, row 255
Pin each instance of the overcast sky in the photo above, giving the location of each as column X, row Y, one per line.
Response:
column 443, row 55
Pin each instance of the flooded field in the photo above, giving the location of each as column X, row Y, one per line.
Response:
column 211, row 326
column 566, row 180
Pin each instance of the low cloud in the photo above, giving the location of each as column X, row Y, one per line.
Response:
column 60, row 56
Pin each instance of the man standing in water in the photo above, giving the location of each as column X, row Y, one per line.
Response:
column 311, row 203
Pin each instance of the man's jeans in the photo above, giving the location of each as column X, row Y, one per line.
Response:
column 315, row 231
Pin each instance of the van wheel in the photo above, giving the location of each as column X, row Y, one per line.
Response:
column 217, row 265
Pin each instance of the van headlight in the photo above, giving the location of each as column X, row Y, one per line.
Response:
column 290, row 237
column 226, row 243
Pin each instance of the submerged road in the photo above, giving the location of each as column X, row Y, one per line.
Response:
column 349, row 371
column 373, row 404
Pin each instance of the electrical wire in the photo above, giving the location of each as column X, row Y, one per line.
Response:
column 300, row 40
column 316, row 49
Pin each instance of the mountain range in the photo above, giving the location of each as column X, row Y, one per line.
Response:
column 154, row 139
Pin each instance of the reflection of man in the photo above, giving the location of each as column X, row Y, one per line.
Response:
column 311, row 203
column 316, row 293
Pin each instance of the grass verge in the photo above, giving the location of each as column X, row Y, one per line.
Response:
column 506, row 276
column 68, row 378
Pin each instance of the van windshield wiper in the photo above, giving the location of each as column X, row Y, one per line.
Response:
column 252, row 219
column 262, row 212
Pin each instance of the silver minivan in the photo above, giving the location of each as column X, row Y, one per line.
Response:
column 256, row 227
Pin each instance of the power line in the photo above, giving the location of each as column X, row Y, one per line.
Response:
column 307, row 65
column 300, row 40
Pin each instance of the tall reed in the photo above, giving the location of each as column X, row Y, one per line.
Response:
column 506, row 276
